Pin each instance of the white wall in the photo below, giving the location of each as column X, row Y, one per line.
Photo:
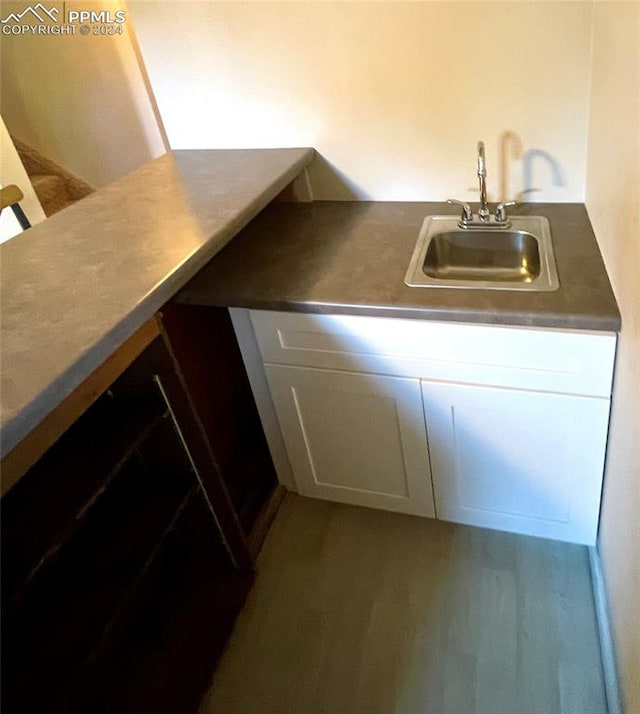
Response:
column 80, row 100
column 12, row 172
column 393, row 95
column 613, row 203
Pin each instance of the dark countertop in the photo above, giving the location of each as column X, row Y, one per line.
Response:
column 351, row 257
column 76, row 286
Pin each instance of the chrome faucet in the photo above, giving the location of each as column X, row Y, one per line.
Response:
column 484, row 214
column 467, row 219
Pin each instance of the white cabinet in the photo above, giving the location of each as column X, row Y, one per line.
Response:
column 516, row 418
column 354, row 438
column 516, row 460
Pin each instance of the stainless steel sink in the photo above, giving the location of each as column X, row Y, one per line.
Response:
column 518, row 257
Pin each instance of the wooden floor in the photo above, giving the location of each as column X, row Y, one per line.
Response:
column 366, row 612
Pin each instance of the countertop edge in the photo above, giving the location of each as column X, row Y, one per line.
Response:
column 18, row 427
column 586, row 323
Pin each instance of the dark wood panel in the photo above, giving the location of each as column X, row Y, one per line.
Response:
column 124, row 563
column 161, row 659
column 193, row 433
column 70, row 478
column 204, row 346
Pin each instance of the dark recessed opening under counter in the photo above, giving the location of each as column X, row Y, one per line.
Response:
column 203, row 342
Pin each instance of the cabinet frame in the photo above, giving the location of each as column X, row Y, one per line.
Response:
column 557, row 362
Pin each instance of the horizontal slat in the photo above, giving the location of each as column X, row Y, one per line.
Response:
column 569, row 362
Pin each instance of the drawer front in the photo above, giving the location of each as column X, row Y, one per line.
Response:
column 544, row 360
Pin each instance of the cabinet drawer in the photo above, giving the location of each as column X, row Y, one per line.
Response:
column 514, row 357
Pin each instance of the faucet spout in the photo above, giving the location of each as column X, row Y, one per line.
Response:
column 482, row 169
column 467, row 219
column 483, row 213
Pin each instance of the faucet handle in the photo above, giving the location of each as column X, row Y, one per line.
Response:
column 467, row 213
column 501, row 213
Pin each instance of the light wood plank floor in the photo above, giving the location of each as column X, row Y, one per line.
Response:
column 357, row 611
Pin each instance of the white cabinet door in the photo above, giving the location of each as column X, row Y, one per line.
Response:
column 514, row 460
column 354, row 438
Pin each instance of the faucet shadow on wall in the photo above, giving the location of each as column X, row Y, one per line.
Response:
column 511, row 150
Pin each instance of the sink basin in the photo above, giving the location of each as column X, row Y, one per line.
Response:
column 519, row 257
